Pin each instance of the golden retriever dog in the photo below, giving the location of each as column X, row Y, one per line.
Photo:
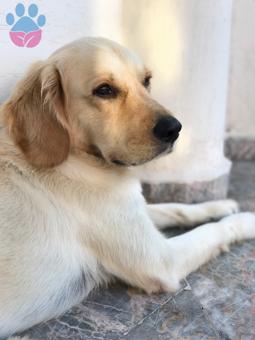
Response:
column 72, row 215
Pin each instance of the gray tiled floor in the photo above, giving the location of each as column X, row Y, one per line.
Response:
column 216, row 302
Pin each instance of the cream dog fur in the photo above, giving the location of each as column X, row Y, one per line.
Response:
column 72, row 215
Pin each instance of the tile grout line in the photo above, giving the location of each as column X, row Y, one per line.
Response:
column 156, row 310
column 206, row 315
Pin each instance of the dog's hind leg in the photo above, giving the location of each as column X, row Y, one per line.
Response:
column 166, row 215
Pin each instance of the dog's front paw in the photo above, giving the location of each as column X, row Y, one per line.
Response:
column 241, row 226
column 222, row 208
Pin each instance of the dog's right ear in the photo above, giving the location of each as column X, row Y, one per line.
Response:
column 36, row 117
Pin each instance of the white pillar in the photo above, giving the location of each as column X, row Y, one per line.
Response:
column 186, row 43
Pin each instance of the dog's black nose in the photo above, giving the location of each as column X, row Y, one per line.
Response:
column 167, row 129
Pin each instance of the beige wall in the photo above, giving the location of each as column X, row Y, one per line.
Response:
column 241, row 100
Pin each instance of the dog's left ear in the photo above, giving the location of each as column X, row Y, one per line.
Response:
column 36, row 117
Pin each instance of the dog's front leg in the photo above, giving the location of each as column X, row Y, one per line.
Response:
column 135, row 252
column 140, row 255
column 165, row 215
column 196, row 247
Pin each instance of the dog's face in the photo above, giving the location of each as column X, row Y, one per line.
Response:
column 90, row 96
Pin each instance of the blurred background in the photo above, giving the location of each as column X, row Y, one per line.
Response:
column 201, row 53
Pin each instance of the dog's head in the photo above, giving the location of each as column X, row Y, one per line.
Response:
column 91, row 96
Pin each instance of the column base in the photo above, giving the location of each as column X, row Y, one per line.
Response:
column 240, row 148
column 187, row 192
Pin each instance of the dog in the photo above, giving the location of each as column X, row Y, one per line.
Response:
column 72, row 213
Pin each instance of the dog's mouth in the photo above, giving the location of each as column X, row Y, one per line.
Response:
column 162, row 149
column 118, row 162
column 96, row 152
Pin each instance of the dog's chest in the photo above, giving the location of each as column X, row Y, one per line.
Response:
column 71, row 221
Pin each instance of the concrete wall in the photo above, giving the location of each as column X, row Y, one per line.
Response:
column 241, row 102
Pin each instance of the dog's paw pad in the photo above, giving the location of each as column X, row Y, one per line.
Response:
column 26, row 31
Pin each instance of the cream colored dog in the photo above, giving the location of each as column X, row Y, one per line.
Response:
column 72, row 215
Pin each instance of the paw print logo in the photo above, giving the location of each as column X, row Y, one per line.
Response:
column 26, row 29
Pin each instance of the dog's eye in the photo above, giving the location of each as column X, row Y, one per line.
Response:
column 147, row 81
column 105, row 91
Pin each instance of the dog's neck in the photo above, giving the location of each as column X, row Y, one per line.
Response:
column 86, row 167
